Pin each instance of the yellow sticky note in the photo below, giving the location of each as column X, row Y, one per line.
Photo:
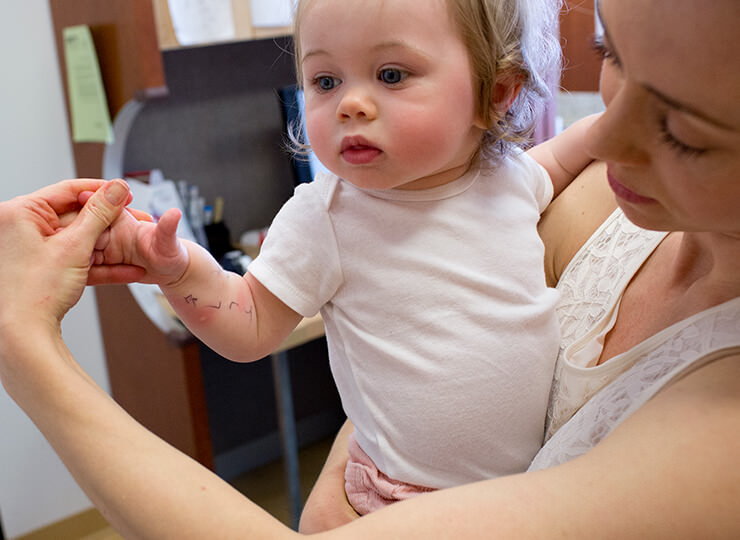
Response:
column 88, row 104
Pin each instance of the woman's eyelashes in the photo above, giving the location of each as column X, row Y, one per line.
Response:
column 604, row 51
column 681, row 148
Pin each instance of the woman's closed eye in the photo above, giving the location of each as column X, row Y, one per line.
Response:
column 604, row 51
column 680, row 147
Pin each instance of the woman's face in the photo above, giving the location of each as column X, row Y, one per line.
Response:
column 671, row 131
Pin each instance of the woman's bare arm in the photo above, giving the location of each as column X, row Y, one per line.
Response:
column 327, row 506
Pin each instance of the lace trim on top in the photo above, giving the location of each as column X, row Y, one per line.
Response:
column 591, row 288
column 624, row 383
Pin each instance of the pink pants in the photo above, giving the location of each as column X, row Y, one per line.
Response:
column 369, row 489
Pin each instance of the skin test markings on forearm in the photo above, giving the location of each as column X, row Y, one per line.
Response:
column 190, row 299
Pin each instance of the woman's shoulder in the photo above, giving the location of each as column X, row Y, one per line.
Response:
column 573, row 217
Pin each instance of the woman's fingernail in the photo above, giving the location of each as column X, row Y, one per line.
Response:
column 115, row 192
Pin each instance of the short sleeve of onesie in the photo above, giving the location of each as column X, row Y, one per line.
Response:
column 542, row 187
column 298, row 261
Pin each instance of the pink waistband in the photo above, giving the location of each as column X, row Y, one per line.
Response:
column 370, row 489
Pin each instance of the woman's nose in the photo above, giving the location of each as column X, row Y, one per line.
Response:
column 621, row 134
column 357, row 103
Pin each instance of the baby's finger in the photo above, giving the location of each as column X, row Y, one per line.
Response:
column 117, row 273
column 140, row 215
column 165, row 235
column 103, row 240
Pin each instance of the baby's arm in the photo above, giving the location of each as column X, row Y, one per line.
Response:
column 236, row 316
column 564, row 156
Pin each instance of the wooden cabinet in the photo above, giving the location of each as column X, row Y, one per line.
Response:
column 582, row 64
column 153, row 377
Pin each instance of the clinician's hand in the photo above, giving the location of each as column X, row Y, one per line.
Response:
column 133, row 244
column 47, row 240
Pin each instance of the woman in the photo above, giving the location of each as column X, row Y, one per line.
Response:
column 673, row 156
column 671, row 142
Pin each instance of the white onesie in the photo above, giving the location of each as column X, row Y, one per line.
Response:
column 442, row 334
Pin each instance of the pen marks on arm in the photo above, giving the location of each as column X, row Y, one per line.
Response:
column 235, row 305
column 193, row 300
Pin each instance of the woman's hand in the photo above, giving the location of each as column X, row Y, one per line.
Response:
column 136, row 249
column 47, row 240
column 135, row 243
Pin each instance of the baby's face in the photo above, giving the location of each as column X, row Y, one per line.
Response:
column 389, row 92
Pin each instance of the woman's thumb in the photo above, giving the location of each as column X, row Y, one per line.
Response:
column 100, row 211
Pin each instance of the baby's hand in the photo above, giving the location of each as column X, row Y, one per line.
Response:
column 134, row 245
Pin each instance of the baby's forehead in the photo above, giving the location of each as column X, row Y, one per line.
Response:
column 329, row 17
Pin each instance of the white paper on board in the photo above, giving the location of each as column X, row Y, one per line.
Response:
column 272, row 13
column 202, row 21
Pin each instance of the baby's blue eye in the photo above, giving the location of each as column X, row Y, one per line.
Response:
column 326, row 83
column 391, row 75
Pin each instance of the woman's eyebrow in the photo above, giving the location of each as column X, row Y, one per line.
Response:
column 682, row 107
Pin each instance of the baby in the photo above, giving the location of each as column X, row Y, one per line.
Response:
column 420, row 249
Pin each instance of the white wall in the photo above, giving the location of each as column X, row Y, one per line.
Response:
column 35, row 150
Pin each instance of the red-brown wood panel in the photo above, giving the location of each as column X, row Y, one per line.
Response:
column 130, row 61
column 582, row 65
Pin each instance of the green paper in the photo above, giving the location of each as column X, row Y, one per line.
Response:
column 88, row 104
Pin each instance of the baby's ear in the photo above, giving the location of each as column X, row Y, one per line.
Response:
column 505, row 92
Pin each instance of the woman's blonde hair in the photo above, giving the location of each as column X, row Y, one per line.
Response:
column 507, row 40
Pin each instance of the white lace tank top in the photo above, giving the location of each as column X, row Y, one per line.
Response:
column 588, row 401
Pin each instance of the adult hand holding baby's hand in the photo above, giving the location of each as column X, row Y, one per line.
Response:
column 47, row 239
column 135, row 249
